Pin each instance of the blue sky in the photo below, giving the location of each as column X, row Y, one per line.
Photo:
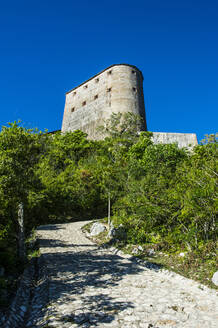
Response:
column 49, row 47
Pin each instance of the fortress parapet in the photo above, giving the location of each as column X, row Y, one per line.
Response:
column 188, row 140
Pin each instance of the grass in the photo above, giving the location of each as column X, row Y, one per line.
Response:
column 197, row 265
column 87, row 227
column 191, row 265
column 32, row 247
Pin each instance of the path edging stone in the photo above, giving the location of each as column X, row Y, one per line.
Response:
column 32, row 289
column 19, row 306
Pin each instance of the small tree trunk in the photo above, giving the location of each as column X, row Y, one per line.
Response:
column 21, row 237
column 109, row 210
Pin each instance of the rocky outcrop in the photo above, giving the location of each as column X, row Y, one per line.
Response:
column 96, row 229
column 215, row 278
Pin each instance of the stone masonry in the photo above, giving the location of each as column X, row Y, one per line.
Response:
column 118, row 88
column 183, row 139
column 80, row 284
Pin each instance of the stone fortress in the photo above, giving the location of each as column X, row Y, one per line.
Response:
column 118, row 88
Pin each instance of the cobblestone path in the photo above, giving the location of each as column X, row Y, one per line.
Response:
column 88, row 286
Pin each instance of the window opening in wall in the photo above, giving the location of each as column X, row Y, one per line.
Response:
column 72, row 109
column 97, row 80
column 85, row 87
column 134, row 89
column 133, row 72
column 74, row 93
column 109, row 89
column 84, row 103
column 96, row 97
column 109, row 73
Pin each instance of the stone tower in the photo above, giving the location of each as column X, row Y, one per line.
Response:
column 118, row 88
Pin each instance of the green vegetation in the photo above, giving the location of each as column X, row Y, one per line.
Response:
column 163, row 196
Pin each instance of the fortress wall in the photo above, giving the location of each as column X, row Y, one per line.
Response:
column 119, row 88
column 188, row 140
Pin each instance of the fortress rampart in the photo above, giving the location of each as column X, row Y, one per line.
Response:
column 182, row 139
column 119, row 88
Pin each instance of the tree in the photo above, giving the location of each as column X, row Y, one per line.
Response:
column 148, row 204
column 122, row 131
column 20, row 150
column 197, row 192
column 67, row 180
column 122, row 125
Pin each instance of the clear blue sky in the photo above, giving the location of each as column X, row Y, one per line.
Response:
column 48, row 47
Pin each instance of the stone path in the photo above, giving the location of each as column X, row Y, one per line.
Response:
column 88, row 286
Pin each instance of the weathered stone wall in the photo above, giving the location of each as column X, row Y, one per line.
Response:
column 119, row 88
column 188, row 140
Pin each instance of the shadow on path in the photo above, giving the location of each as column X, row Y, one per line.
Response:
column 49, row 227
column 83, row 284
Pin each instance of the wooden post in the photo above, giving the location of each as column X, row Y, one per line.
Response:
column 109, row 209
column 21, row 237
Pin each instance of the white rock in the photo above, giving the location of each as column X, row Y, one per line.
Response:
column 215, row 278
column 135, row 251
column 112, row 231
column 150, row 252
column 118, row 232
column 97, row 228
column 182, row 254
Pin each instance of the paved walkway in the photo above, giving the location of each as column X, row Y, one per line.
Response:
column 93, row 287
